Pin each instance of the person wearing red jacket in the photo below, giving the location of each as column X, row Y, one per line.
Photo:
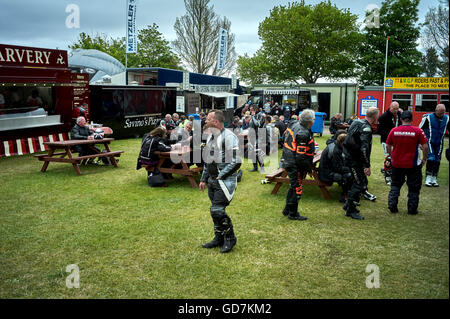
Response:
column 403, row 145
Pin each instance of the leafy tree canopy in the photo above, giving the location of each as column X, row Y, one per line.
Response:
column 304, row 43
column 398, row 20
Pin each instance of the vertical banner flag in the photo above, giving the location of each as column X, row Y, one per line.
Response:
column 131, row 27
column 233, row 81
column 223, row 46
column 186, row 85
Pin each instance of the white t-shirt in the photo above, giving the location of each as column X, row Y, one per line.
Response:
column 2, row 99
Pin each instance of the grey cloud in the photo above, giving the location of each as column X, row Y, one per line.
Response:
column 42, row 22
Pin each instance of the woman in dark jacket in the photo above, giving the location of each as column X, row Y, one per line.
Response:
column 332, row 167
column 152, row 142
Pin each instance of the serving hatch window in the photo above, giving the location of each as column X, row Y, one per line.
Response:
column 304, row 100
column 26, row 101
column 426, row 102
column 404, row 100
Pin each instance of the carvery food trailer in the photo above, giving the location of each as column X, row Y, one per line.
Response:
column 39, row 97
column 36, row 98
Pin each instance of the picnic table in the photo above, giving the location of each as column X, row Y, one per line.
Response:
column 280, row 176
column 67, row 156
column 166, row 165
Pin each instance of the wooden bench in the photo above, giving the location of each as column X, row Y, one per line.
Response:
column 184, row 170
column 280, row 177
column 84, row 158
column 39, row 156
column 60, row 157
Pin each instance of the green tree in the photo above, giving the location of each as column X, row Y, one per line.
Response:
column 305, row 42
column 252, row 69
column 436, row 35
column 430, row 62
column 197, row 38
column 153, row 49
column 398, row 20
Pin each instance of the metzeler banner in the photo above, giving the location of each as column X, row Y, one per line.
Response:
column 223, row 47
column 131, row 27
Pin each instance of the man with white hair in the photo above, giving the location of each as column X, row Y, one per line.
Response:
column 298, row 155
column 357, row 149
column 168, row 123
column 176, row 119
column 434, row 125
column 81, row 131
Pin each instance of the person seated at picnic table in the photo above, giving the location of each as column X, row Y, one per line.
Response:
column 154, row 141
column 332, row 168
column 185, row 135
column 168, row 123
column 81, row 131
column 176, row 119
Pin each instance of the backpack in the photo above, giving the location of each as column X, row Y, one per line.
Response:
column 351, row 144
column 156, row 179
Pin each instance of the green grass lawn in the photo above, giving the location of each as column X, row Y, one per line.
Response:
column 133, row 241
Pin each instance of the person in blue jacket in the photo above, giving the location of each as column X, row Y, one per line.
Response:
column 434, row 125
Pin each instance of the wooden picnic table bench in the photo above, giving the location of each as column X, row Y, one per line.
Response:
column 165, row 159
column 60, row 157
column 280, row 176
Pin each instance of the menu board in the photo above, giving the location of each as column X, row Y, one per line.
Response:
column 80, row 84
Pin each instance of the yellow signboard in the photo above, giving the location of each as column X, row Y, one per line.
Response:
column 417, row 83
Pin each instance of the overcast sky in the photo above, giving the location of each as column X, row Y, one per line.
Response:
column 42, row 23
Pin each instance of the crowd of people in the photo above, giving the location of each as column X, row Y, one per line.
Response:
column 346, row 159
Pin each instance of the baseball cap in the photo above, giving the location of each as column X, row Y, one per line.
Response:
column 406, row 115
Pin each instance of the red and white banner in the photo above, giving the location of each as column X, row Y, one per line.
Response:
column 29, row 145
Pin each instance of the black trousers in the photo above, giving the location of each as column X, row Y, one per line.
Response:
column 87, row 150
column 295, row 191
column 222, row 222
column 343, row 180
column 413, row 178
column 358, row 185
